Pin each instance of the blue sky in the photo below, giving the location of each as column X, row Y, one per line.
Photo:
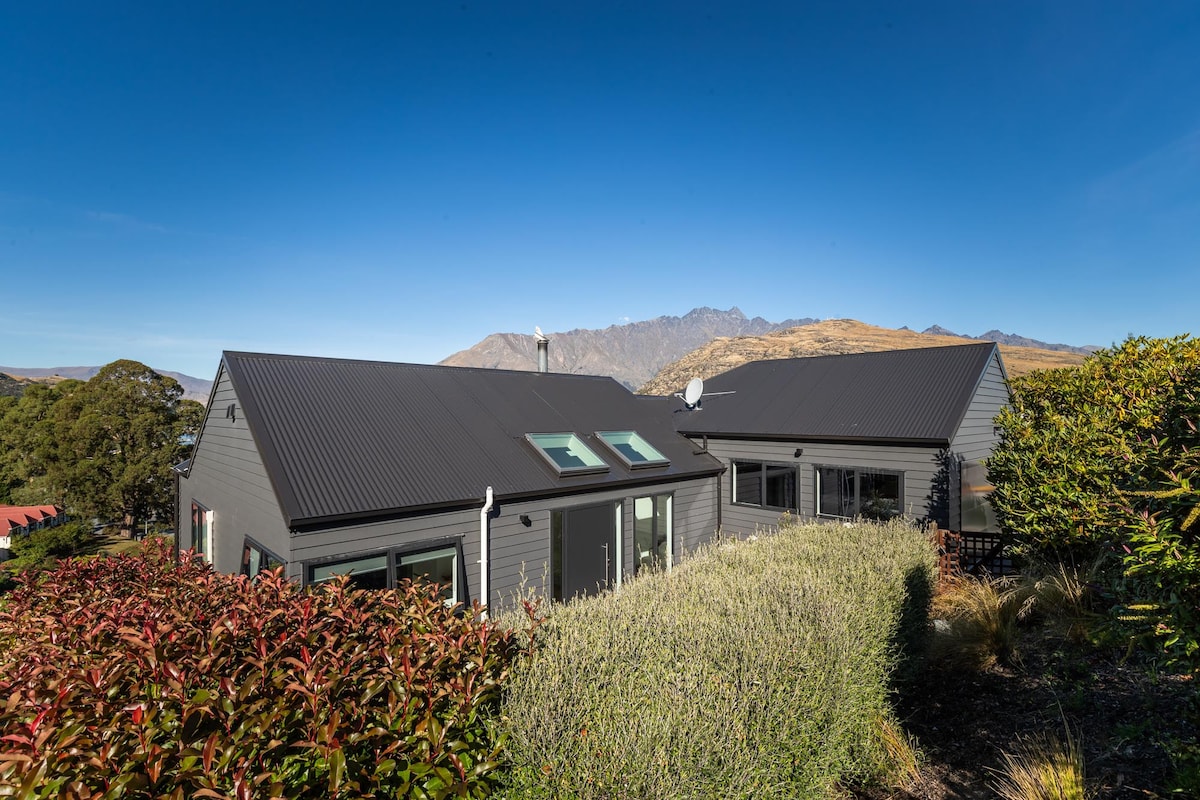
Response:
column 398, row 180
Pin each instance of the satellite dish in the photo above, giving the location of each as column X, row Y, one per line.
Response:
column 694, row 392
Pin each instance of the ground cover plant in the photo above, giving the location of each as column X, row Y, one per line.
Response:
column 753, row 669
column 133, row 676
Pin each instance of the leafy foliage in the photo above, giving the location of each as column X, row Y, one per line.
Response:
column 133, row 676
column 752, row 669
column 1103, row 459
column 101, row 448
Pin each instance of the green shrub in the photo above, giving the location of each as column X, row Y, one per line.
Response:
column 138, row 677
column 753, row 669
column 1104, row 460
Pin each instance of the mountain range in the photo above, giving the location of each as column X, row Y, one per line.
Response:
column 657, row 354
column 632, row 353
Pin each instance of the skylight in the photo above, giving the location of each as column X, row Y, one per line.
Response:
column 633, row 449
column 567, row 453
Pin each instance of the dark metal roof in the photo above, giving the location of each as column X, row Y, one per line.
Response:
column 344, row 439
column 916, row 397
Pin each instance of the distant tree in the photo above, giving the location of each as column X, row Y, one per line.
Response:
column 27, row 445
column 110, row 443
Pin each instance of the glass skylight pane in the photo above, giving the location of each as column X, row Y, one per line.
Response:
column 633, row 449
column 566, row 452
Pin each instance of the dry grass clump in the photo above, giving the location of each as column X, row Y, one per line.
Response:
column 753, row 669
column 980, row 620
column 1043, row 767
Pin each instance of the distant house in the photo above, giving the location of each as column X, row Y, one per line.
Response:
column 486, row 480
column 866, row 434
column 23, row 520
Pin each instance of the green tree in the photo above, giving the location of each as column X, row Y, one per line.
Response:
column 111, row 443
column 28, row 445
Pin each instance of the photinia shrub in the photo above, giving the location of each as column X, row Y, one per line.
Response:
column 138, row 676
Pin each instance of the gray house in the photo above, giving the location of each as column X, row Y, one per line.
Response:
column 867, row 434
column 488, row 481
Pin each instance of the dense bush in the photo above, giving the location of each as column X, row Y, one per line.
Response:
column 132, row 676
column 754, row 669
column 1103, row 459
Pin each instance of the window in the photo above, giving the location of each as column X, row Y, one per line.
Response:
column 202, row 531
column 256, row 559
column 856, row 492
column 370, row 572
column 652, row 542
column 756, row 483
column 567, row 453
column 438, row 562
column 631, row 448
column 437, row 566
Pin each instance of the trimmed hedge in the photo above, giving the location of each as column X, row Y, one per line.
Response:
column 139, row 677
column 753, row 669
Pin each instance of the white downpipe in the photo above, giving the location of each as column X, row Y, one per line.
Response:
column 483, row 546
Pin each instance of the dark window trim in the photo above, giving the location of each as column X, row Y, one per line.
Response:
column 211, row 543
column 857, row 501
column 762, row 496
column 393, row 554
column 250, row 541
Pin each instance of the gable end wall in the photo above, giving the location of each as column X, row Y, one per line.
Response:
column 228, row 477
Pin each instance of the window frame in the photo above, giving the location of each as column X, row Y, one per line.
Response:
column 210, row 522
column 669, row 540
column 638, row 443
column 857, row 502
column 266, row 556
column 734, row 470
column 392, row 556
column 599, row 465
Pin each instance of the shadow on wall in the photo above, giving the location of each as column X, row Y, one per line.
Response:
column 941, row 488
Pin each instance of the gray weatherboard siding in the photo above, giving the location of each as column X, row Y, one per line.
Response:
column 922, row 467
column 228, row 476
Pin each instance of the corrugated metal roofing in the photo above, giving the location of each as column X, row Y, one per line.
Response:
column 343, row 439
column 902, row 396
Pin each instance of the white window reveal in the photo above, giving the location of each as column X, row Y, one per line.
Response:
column 202, row 530
column 436, row 566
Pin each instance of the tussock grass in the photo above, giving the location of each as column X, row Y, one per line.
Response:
column 981, row 621
column 1043, row 767
column 753, row 669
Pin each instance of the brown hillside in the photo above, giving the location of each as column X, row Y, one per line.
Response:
column 831, row 337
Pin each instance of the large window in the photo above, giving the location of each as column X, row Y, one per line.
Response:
column 848, row 492
column 652, row 544
column 439, row 563
column 766, row 485
column 202, row 520
column 256, row 559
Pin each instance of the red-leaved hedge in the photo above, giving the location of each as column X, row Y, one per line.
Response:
column 138, row 676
